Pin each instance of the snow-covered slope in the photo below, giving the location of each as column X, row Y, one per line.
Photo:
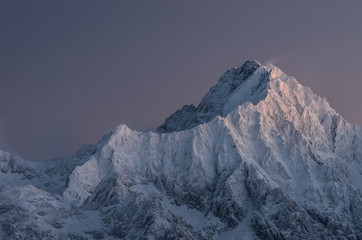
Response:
column 261, row 157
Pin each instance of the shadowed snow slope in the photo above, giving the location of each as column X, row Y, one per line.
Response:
column 261, row 157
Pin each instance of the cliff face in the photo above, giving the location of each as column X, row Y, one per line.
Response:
column 261, row 157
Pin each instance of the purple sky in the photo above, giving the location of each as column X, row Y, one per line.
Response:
column 71, row 71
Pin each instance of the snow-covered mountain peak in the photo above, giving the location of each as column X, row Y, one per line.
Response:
column 261, row 157
column 250, row 83
column 212, row 104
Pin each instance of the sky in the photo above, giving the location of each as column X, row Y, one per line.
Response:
column 71, row 71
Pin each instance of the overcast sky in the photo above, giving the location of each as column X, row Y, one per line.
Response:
column 71, row 71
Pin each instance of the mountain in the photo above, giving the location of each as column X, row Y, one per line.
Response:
column 261, row 157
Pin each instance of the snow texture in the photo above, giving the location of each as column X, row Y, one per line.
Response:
column 261, row 157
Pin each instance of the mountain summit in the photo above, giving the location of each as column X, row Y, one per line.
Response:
column 213, row 103
column 261, row 157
